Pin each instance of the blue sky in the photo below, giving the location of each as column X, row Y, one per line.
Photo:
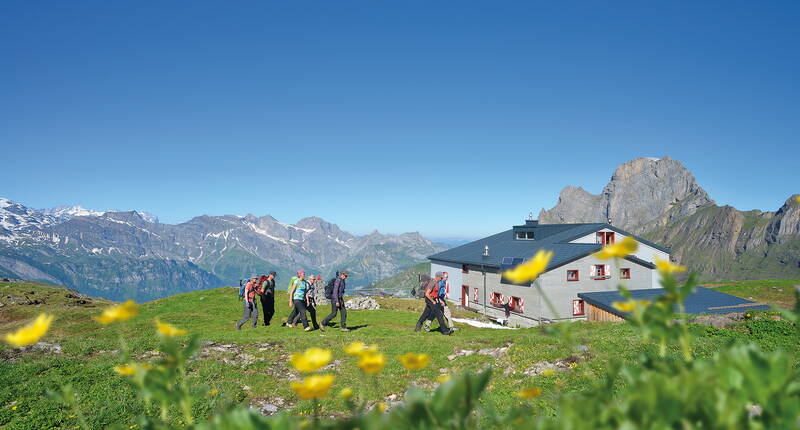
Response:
column 454, row 119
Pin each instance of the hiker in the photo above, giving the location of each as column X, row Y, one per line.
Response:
column 337, row 301
column 297, row 299
column 293, row 313
column 250, row 308
column 431, row 308
column 268, row 296
column 311, row 302
column 443, row 286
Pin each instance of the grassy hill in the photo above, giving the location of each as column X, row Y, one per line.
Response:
column 401, row 284
column 251, row 366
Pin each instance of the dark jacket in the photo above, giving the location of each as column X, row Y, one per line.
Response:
column 338, row 290
column 268, row 287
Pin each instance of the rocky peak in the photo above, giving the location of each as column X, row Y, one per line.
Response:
column 642, row 193
column 786, row 221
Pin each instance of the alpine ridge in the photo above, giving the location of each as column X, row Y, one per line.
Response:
column 125, row 254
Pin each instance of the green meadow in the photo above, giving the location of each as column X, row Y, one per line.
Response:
column 252, row 367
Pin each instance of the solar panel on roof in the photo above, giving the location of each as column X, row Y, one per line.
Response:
column 517, row 261
column 507, row 261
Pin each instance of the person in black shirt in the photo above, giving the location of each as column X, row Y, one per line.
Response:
column 268, row 297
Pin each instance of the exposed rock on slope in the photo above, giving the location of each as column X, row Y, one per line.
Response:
column 641, row 193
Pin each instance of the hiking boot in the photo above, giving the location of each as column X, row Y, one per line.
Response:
column 417, row 327
column 345, row 329
column 321, row 328
column 289, row 325
column 308, row 329
column 447, row 333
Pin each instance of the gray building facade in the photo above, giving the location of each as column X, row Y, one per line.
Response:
column 476, row 282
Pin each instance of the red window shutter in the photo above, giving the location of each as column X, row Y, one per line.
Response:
column 610, row 237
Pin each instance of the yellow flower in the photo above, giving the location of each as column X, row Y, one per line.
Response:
column 213, row 392
column 14, row 408
column 548, row 372
column 121, row 312
column 313, row 387
column 620, row 249
column 311, row 360
column 125, row 369
column 572, row 365
column 372, row 363
column 630, row 305
column 30, row 333
column 357, row 349
column 624, row 306
column 413, row 361
column 665, row 266
column 346, row 393
column 443, row 378
column 169, row 330
column 381, row 407
column 132, row 368
column 531, row 269
column 530, row 393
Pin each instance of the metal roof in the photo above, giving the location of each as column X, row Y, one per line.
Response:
column 552, row 237
column 701, row 301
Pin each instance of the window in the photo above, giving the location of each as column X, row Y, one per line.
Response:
column 577, row 308
column 517, row 305
column 464, row 268
column 625, row 273
column 605, row 237
column 572, row 275
column 497, row 299
column 525, row 235
column 600, row 271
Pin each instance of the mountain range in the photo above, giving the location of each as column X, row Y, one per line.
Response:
column 659, row 199
column 129, row 254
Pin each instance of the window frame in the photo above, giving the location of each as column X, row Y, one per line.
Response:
column 581, row 305
column 577, row 275
column 464, row 269
column 499, row 302
column 624, row 273
column 514, row 303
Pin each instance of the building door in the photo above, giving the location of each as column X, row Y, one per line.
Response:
column 464, row 296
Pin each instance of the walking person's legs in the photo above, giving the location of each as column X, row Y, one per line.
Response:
column 268, row 306
column 300, row 305
column 343, row 319
column 331, row 315
column 424, row 316
column 254, row 313
column 312, row 310
column 448, row 317
column 245, row 317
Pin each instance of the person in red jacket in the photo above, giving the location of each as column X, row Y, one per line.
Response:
column 250, row 308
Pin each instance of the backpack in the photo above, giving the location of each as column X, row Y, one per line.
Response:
column 329, row 289
column 430, row 285
column 291, row 282
column 241, row 289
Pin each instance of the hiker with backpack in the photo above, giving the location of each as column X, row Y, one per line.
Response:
column 334, row 291
column 289, row 320
column 431, row 305
column 297, row 299
column 311, row 303
column 268, row 296
column 443, row 287
column 248, row 295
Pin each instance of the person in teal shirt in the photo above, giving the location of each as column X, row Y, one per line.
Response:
column 297, row 297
